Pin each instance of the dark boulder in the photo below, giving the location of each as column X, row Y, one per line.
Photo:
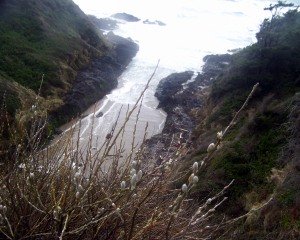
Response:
column 100, row 114
column 125, row 16
column 216, row 63
column 125, row 48
column 169, row 86
column 156, row 22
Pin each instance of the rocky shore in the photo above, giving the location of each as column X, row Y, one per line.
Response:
column 181, row 96
column 105, row 24
column 97, row 79
column 126, row 17
column 156, row 22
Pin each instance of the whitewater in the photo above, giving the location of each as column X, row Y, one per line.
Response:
column 193, row 30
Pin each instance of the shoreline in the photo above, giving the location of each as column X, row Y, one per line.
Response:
column 100, row 125
column 181, row 96
column 96, row 80
column 179, row 121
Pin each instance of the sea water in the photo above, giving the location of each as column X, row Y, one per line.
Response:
column 194, row 29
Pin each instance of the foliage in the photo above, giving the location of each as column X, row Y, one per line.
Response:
column 228, row 107
column 273, row 61
column 276, row 8
column 250, row 158
column 36, row 37
column 66, row 190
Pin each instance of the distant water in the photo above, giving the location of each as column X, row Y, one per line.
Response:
column 194, row 28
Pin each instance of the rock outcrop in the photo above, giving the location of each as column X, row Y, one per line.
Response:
column 56, row 40
column 97, row 79
column 169, row 89
column 106, row 24
column 181, row 95
column 156, row 22
column 126, row 17
column 124, row 48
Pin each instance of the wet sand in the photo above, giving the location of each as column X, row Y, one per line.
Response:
column 104, row 116
column 98, row 121
column 101, row 118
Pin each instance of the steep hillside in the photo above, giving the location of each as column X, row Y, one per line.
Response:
column 56, row 39
column 261, row 151
column 45, row 37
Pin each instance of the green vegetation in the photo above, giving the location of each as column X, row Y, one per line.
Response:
column 87, row 202
column 257, row 146
column 276, row 65
column 10, row 99
column 96, row 191
column 225, row 111
column 250, row 159
column 45, row 37
column 50, row 38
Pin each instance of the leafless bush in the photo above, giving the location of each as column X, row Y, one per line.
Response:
column 62, row 191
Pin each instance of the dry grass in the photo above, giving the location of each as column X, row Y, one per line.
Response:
column 62, row 191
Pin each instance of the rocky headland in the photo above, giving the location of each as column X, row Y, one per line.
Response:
column 181, row 96
column 261, row 149
column 98, row 78
column 105, row 24
column 156, row 22
column 126, row 17
column 56, row 43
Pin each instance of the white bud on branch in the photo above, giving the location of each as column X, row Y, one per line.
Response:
column 22, row 166
column 211, row 147
column 77, row 194
column 133, row 181
column 123, row 185
column 220, row 135
column 195, row 179
column 132, row 172
column 195, row 167
column 191, row 178
column 3, row 208
column 77, row 175
column 134, row 163
column 184, row 188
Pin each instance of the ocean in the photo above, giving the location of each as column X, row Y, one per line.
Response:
column 194, row 29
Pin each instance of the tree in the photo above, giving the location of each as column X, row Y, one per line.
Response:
column 276, row 8
column 267, row 35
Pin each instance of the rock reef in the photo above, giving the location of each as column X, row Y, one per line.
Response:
column 156, row 22
column 181, row 95
column 126, row 17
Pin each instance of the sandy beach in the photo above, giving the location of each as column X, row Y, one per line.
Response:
column 105, row 115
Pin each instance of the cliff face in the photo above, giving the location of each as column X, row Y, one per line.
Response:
column 261, row 151
column 46, row 37
column 97, row 79
column 55, row 38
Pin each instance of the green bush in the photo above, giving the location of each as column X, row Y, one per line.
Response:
column 275, row 66
column 250, row 159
